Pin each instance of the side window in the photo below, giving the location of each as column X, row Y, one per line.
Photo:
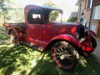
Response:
column 55, row 16
column 35, row 16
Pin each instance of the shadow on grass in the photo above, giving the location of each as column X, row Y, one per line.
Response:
column 11, row 58
column 87, row 66
column 25, row 61
column 44, row 67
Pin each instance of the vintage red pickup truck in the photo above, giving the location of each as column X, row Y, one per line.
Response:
column 42, row 30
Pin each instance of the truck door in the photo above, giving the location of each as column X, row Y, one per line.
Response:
column 35, row 25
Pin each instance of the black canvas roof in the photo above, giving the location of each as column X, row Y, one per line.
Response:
column 45, row 10
column 49, row 8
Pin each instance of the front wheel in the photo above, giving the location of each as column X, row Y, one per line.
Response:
column 64, row 55
column 93, row 42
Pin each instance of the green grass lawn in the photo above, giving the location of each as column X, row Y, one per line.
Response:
column 3, row 36
column 21, row 60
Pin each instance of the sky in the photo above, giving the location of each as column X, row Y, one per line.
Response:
column 66, row 5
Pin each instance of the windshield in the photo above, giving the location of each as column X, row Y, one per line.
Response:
column 55, row 16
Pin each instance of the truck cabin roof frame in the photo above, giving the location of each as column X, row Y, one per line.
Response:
column 45, row 9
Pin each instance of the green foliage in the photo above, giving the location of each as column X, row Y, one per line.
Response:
column 4, row 7
column 4, row 11
column 8, row 1
column 73, row 19
column 15, row 15
column 49, row 3
column 3, row 36
column 1, row 2
column 22, row 60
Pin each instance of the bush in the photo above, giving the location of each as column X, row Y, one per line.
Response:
column 73, row 19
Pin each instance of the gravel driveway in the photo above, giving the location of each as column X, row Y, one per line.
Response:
column 97, row 51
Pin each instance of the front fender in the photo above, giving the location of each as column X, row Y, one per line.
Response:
column 68, row 38
column 93, row 33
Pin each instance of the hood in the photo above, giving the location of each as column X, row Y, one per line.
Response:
column 64, row 23
column 64, row 28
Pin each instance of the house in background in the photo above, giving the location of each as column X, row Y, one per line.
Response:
column 73, row 16
column 90, row 15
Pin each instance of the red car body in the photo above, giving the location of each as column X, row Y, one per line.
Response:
column 44, row 33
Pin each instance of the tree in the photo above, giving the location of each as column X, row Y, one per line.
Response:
column 16, row 15
column 4, row 6
column 4, row 12
column 1, row 2
column 72, row 19
column 49, row 3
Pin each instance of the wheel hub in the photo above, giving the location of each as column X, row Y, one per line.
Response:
column 64, row 56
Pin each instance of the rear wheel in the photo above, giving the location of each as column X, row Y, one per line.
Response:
column 64, row 55
column 14, row 38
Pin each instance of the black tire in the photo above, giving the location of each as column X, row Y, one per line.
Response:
column 93, row 42
column 64, row 55
column 14, row 38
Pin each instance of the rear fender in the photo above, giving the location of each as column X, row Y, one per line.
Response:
column 18, row 34
column 93, row 33
column 10, row 30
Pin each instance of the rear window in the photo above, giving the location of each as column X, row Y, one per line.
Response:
column 35, row 16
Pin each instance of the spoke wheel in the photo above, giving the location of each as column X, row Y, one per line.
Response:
column 13, row 38
column 64, row 55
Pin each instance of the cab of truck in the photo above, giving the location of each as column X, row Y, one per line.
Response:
column 43, row 20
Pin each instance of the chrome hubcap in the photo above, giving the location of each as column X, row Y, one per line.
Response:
column 63, row 54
